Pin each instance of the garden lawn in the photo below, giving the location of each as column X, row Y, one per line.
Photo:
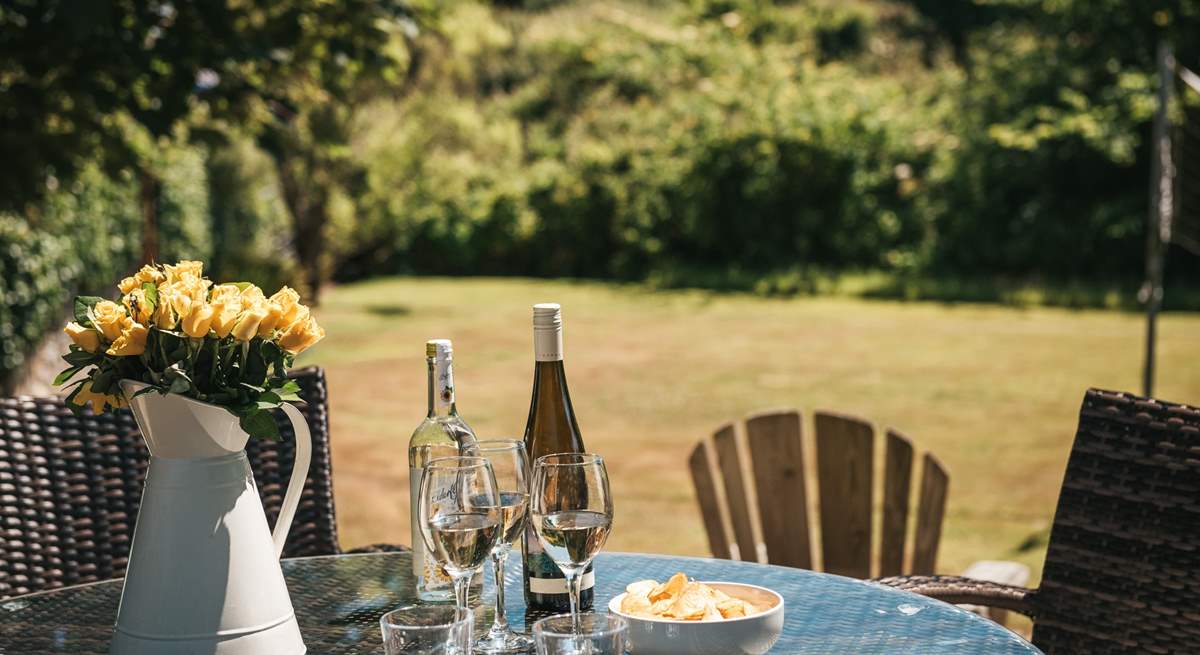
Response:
column 993, row 391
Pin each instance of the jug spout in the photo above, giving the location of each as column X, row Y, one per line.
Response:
column 176, row 427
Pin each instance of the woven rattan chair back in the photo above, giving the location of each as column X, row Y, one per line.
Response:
column 70, row 488
column 750, row 482
column 1122, row 571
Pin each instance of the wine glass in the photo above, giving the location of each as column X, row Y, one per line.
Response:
column 510, row 465
column 571, row 509
column 460, row 517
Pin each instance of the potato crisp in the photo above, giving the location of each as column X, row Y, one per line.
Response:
column 684, row 600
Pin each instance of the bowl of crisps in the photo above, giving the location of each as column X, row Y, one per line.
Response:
column 699, row 618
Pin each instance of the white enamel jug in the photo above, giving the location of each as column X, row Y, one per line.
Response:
column 203, row 575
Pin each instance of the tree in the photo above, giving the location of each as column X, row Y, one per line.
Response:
column 71, row 73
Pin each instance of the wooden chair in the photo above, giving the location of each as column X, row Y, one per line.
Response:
column 760, row 510
column 1122, row 571
column 70, row 487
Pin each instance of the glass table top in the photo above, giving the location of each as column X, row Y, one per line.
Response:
column 339, row 600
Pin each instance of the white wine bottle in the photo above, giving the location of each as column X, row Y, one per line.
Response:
column 443, row 432
column 551, row 429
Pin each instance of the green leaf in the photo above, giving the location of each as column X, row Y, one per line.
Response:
column 180, row 384
column 242, row 286
column 102, row 382
column 145, row 390
column 81, row 357
column 82, row 305
column 260, row 425
column 62, row 378
column 151, row 292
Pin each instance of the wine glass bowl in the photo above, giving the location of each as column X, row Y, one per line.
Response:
column 571, row 511
column 460, row 516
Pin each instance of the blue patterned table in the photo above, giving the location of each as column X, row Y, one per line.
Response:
column 339, row 600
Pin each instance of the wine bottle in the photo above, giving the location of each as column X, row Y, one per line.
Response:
column 443, row 432
column 551, row 428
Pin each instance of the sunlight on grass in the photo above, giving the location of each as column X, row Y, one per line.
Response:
column 993, row 391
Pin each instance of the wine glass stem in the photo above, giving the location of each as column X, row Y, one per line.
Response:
column 574, row 580
column 462, row 587
column 500, row 623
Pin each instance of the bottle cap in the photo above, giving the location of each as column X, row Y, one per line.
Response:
column 547, row 332
column 439, row 349
column 547, row 316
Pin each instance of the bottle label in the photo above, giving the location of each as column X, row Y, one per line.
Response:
column 443, row 381
column 549, row 586
column 430, row 577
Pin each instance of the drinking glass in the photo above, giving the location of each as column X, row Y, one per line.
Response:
column 427, row 630
column 571, row 509
column 585, row 634
column 510, row 465
column 460, row 517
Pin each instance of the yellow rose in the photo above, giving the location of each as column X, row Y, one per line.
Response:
column 270, row 321
column 86, row 395
column 289, row 307
column 147, row 274
column 98, row 400
column 85, row 338
column 247, row 324
column 224, row 318
column 107, row 315
column 226, row 294
column 132, row 340
column 177, row 271
column 301, row 336
column 139, row 306
column 252, row 294
column 164, row 315
column 184, row 294
column 198, row 321
column 226, row 300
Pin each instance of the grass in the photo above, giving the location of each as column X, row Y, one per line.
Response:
column 992, row 390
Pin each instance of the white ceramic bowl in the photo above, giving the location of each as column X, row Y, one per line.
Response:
column 748, row 635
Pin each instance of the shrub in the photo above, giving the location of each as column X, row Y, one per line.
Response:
column 83, row 237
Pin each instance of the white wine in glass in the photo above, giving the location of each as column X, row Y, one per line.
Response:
column 571, row 510
column 460, row 518
column 573, row 536
column 465, row 540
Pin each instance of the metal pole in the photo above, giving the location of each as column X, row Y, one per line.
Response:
column 1162, row 207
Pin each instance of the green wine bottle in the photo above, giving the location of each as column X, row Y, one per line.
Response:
column 551, row 428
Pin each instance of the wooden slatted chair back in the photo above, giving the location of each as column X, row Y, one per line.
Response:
column 752, row 485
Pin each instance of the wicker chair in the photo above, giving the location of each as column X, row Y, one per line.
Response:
column 1122, row 571
column 70, row 487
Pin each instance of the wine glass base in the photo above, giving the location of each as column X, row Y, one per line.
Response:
column 509, row 643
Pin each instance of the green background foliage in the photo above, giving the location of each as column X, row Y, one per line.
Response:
column 954, row 150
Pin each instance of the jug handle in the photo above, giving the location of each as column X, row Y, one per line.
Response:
column 291, row 499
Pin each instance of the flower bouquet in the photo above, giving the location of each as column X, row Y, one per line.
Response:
column 228, row 345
